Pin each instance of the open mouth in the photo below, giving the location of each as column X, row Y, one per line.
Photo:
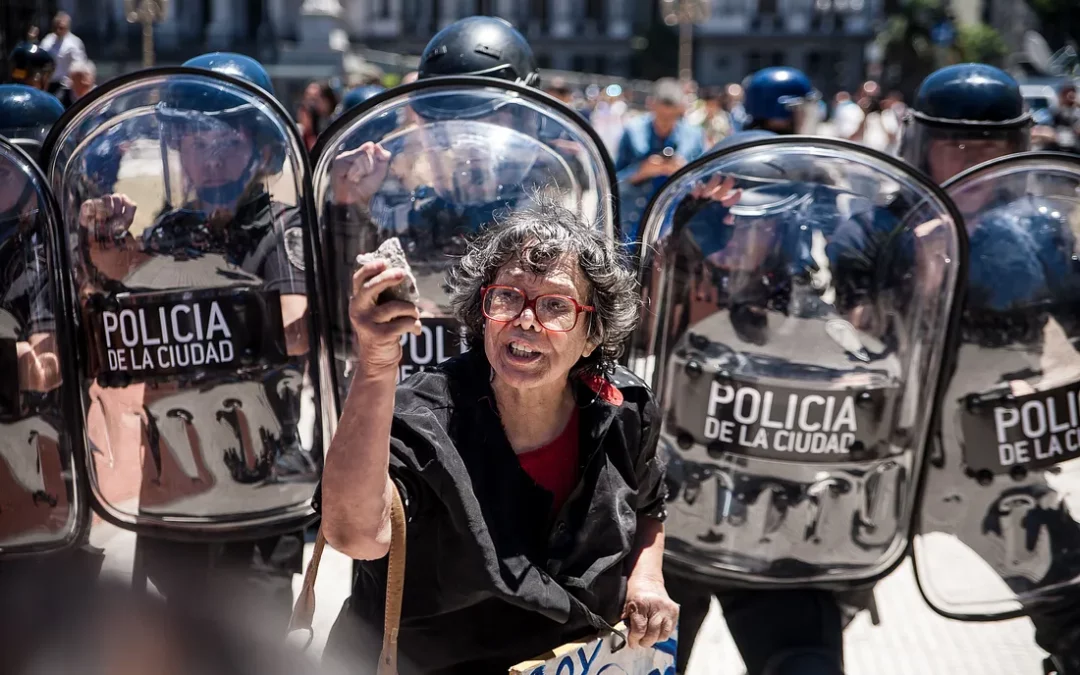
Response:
column 519, row 352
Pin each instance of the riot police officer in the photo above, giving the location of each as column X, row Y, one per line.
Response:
column 26, row 115
column 44, row 551
column 228, row 225
column 1016, row 345
column 964, row 115
column 31, row 65
column 753, row 253
column 476, row 46
column 781, row 100
column 480, row 45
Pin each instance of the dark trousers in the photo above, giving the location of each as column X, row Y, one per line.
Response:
column 777, row 631
column 228, row 575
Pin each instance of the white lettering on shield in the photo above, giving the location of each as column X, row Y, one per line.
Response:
column 434, row 345
column 1045, row 429
column 181, row 336
column 807, row 424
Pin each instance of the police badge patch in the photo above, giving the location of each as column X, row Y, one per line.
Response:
column 294, row 247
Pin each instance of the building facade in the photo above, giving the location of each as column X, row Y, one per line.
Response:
column 624, row 38
column 579, row 35
column 827, row 39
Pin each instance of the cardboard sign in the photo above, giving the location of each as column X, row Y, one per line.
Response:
column 1034, row 431
column 606, row 654
column 148, row 336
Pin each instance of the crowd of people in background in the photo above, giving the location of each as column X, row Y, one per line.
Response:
column 870, row 115
column 58, row 64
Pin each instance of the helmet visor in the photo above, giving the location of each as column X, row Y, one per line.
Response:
column 942, row 152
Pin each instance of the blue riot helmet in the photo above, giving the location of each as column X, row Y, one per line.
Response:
column 31, row 65
column 358, row 95
column 203, row 120
column 26, row 115
column 782, row 100
column 964, row 115
column 375, row 131
column 237, row 65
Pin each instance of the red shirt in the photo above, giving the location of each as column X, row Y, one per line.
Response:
column 554, row 466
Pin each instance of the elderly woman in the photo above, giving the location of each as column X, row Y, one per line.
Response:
column 534, row 496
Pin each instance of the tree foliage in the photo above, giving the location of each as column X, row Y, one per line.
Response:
column 909, row 53
column 979, row 43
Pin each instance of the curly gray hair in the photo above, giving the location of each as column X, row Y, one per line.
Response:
column 537, row 237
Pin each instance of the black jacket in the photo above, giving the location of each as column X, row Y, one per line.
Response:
column 492, row 578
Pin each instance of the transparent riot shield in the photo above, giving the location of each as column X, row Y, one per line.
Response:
column 432, row 163
column 996, row 528
column 42, row 505
column 799, row 293
column 186, row 214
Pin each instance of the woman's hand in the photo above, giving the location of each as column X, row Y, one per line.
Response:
column 649, row 612
column 379, row 328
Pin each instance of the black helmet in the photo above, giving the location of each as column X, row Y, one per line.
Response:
column 31, row 65
column 957, row 105
column 26, row 115
column 480, row 45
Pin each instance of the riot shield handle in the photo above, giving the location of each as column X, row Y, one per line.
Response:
column 304, row 610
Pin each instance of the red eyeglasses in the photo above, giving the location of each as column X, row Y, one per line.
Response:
column 557, row 313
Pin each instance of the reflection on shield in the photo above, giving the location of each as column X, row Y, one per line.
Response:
column 471, row 152
column 801, row 293
column 190, row 274
column 1001, row 493
column 40, row 500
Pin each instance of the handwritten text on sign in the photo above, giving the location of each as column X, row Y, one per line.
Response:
column 604, row 655
column 778, row 423
column 1034, row 431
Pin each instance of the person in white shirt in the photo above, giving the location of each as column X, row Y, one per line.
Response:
column 65, row 48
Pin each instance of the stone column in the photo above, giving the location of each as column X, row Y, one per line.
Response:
column 448, row 12
column 219, row 32
column 562, row 24
column 167, row 31
column 618, row 19
column 321, row 33
column 275, row 10
column 508, row 9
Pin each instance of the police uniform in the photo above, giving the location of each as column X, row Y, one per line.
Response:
column 209, row 448
column 767, row 625
column 260, row 245
column 1018, row 320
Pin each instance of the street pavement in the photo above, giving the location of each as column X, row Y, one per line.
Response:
column 911, row 640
